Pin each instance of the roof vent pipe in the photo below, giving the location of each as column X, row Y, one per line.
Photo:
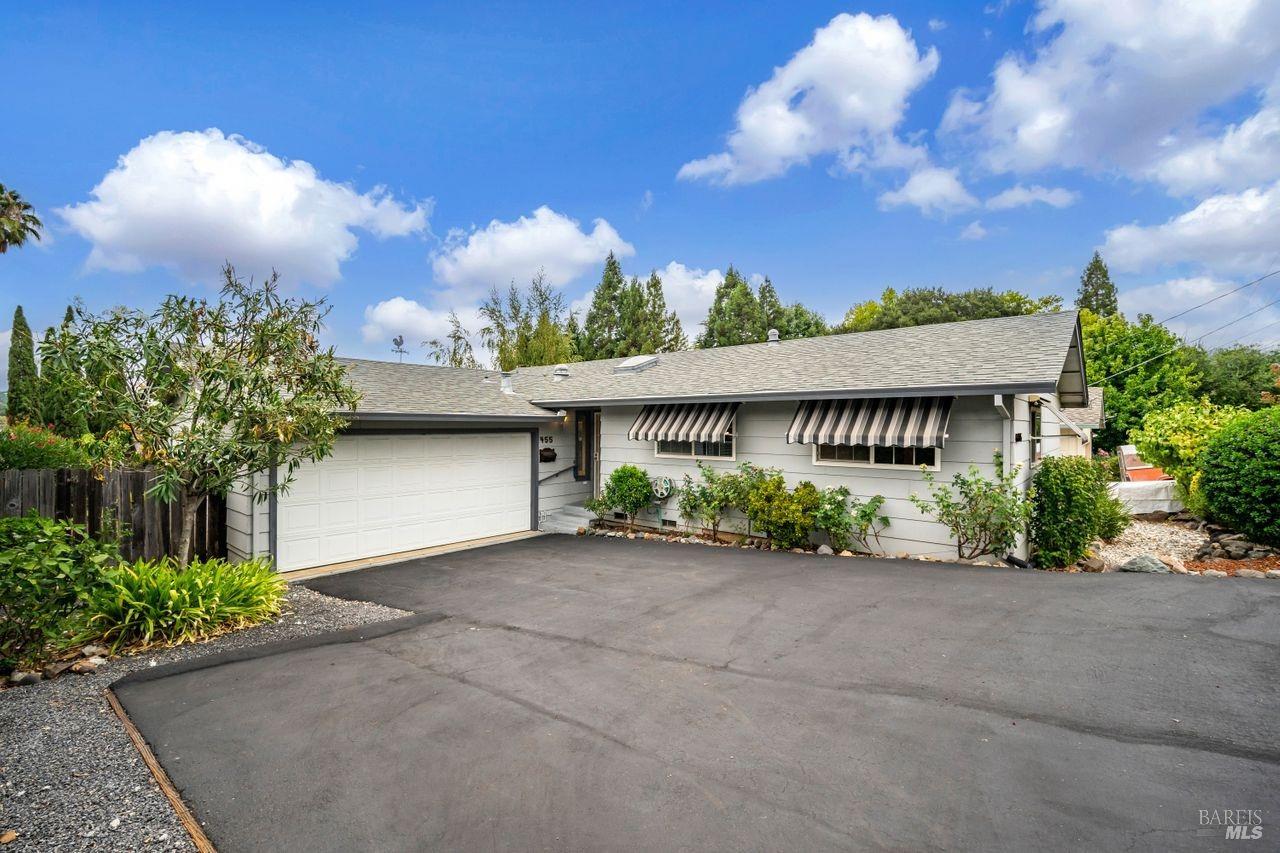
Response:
column 506, row 383
column 561, row 371
column 773, row 337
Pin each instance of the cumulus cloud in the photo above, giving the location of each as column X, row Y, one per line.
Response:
column 843, row 94
column 973, row 231
column 1110, row 82
column 1172, row 297
column 1244, row 155
column 189, row 201
column 1020, row 196
column 1230, row 231
column 418, row 323
column 934, row 190
column 503, row 252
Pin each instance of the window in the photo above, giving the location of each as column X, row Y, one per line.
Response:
column 722, row 449
column 866, row 454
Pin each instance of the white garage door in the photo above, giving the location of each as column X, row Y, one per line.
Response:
column 382, row 494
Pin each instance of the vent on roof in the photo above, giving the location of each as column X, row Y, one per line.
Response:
column 773, row 337
column 560, row 371
column 636, row 363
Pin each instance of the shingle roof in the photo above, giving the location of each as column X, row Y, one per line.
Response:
column 389, row 388
column 1090, row 416
column 1028, row 353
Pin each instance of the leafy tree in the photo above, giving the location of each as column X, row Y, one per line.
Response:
column 1174, row 438
column 629, row 491
column 1237, row 376
column 602, row 322
column 212, row 391
column 455, row 350
column 1143, row 367
column 735, row 316
column 526, row 330
column 923, row 306
column 1096, row 292
column 984, row 516
column 18, row 220
column 60, row 407
column 24, row 382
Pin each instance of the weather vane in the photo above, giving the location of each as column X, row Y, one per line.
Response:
column 398, row 347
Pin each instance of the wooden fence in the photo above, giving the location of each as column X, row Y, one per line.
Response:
column 115, row 504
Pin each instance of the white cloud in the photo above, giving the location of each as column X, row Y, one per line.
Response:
column 418, row 323
column 189, row 201
column 973, row 231
column 1110, row 81
column 843, row 94
column 4, row 357
column 688, row 292
column 1172, row 297
column 933, row 190
column 646, row 201
column 1233, row 231
column 937, row 25
column 1020, row 196
column 503, row 252
column 1244, row 155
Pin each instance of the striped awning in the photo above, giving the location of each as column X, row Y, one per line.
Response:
column 683, row 422
column 887, row 422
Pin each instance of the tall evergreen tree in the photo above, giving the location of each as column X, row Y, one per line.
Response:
column 1097, row 293
column 735, row 316
column 667, row 331
column 600, row 326
column 792, row 321
column 24, row 382
column 60, row 404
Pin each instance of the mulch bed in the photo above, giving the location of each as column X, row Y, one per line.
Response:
column 1261, row 564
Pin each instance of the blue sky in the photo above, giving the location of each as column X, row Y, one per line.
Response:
column 400, row 158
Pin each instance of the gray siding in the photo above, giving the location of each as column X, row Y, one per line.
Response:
column 559, row 487
column 976, row 432
column 247, row 522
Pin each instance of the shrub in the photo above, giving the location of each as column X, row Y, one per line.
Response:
column 598, row 506
column 984, row 516
column 705, row 501
column 1071, row 506
column 153, row 603
column 1240, row 475
column 740, row 485
column 1174, row 437
column 46, row 567
column 784, row 516
column 628, row 490
column 1109, row 465
column 23, row 445
column 868, row 521
column 831, row 516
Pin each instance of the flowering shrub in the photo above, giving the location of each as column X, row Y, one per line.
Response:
column 24, row 445
column 984, row 516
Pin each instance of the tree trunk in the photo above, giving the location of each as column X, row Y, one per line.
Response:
column 190, row 504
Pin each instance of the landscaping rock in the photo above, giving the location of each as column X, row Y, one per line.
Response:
column 1175, row 565
column 1213, row 573
column 1144, row 563
column 1250, row 573
column 94, row 651
column 846, row 553
column 55, row 669
column 85, row 666
column 582, row 531
column 1092, row 564
column 798, row 551
column 20, row 677
column 1274, row 574
column 825, row 550
column 8, row 836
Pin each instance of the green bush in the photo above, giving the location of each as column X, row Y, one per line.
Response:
column 23, row 445
column 155, row 603
column 868, row 521
column 706, row 500
column 984, row 516
column 1173, row 438
column 1070, row 507
column 46, row 568
column 1240, row 475
column 784, row 516
column 628, row 490
column 831, row 516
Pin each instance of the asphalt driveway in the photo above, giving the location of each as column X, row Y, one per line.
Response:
column 597, row 694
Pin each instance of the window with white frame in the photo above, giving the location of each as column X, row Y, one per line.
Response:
column 876, row 456
column 722, row 449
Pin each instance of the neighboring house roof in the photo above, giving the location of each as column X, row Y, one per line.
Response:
column 1091, row 416
column 1032, row 353
column 392, row 391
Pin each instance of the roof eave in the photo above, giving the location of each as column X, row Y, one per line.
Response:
column 1039, row 387
column 459, row 417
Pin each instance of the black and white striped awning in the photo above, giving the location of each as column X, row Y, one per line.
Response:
column 887, row 422
column 683, row 422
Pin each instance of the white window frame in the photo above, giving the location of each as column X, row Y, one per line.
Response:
column 894, row 466
column 733, row 429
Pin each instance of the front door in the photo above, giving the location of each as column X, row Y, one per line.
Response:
column 586, row 448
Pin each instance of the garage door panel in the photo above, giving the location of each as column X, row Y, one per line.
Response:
column 383, row 494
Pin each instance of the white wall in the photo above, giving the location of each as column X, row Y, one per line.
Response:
column 560, row 489
column 975, row 433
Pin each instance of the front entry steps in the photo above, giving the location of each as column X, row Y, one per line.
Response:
column 567, row 519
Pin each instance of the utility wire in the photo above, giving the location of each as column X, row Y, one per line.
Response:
column 1221, row 296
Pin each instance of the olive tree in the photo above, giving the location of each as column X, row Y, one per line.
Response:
column 208, row 392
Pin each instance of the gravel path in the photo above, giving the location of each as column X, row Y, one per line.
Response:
column 1153, row 537
column 70, row 778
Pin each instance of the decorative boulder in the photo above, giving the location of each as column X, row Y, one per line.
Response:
column 825, row 550
column 1092, row 563
column 1144, row 563
column 1175, row 565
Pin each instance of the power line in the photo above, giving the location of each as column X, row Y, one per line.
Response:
column 1221, row 296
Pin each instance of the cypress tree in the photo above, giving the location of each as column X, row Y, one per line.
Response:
column 735, row 316
column 1097, row 293
column 24, row 382
column 600, row 326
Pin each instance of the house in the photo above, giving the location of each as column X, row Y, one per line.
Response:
column 438, row 455
column 1075, row 435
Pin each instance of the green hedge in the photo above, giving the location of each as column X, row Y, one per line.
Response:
column 25, row 446
column 1240, row 475
column 1070, row 507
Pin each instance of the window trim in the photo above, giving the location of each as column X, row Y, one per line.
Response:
column 892, row 466
column 733, row 457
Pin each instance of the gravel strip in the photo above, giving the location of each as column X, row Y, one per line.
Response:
column 1153, row 537
column 70, row 778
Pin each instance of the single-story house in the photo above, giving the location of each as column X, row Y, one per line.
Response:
column 438, row 455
